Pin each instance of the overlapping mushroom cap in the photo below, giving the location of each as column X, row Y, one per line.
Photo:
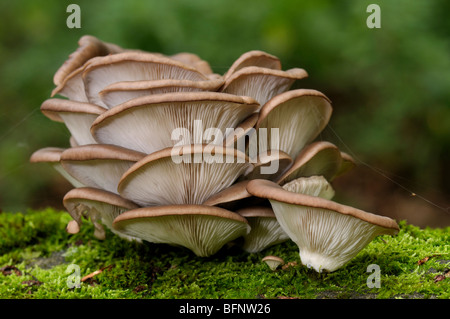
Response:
column 328, row 234
column 163, row 149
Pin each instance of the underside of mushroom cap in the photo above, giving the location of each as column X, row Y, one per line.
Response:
column 133, row 66
column 316, row 186
column 121, row 92
column 254, row 58
column 88, row 47
column 202, row 229
column 328, row 234
column 99, row 166
column 52, row 156
column 151, row 123
column 316, row 159
column 77, row 116
column 297, row 117
column 183, row 175
column 270, row 165
column 100, row 206
column 265, row 231
column 262, row 84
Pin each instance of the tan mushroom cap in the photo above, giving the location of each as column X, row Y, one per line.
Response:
column 262, row 84
column 52, row 156
column 270, row 165
column 102, row 207
column 265, row 231
column 99, row 166
column 235, row 192
column 254, row 58
column 151, row 123
column 239, row 136
column 194, row 61
column 273, row 261
column 72, row 87
column 316, row 186
column 183, row 175
column 272, row 191
column 328, row 234
column 202, row 229
column 133, row 66
column 88, row 47
column 121, row 92
column 318, row 158
column 298, row 116
column 77, row 116
column 47, row 155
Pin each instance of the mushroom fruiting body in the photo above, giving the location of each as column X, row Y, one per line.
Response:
column 202, row 229
column 273, row 262
column 163, row 149
column 328, row 234
column 265, row 231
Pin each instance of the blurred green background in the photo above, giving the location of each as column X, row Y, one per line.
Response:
column 390, row 87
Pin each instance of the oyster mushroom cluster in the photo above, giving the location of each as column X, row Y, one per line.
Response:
column 162, row 149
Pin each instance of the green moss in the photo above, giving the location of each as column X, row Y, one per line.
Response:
column 38, row 246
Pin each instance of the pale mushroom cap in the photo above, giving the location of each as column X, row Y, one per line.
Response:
column 254, row 58
column 121, row 92
column 194, row 61
column 77, row 116
column 316, row 186
column 233, row 193
column 265, row 231
column 52, row 156
column 262, row 84
column 72, row 87
column 298, row 116
column 202, row 229
column 133, row 66
column 318, row 158
column 328, row 234
column 151, row 123
column 47, row 155
column 99, row 166
column 182, row 175
column 273, row 262
column 98, row 205
column 88, row 47
column 270, row 165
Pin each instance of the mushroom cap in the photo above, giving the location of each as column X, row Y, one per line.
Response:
column 260, row 83
column 265, row 231
column 88, row 47
column 182, row 175
column 270, row 165
column 121, row 92
column 254, row 58
column 328, row 234
column 47, row 155
column 202, row 229
column 100, row 72
column 98, row 205
column 52, row 156
column 298, row 115
column 193, row 60
column 318, row 158
column 99, row 166
column 273, row 261
column 240, row 136
column 72, row 87
column 77, row 116
column 235, row 192
column 316, row 186
column 151, row 123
